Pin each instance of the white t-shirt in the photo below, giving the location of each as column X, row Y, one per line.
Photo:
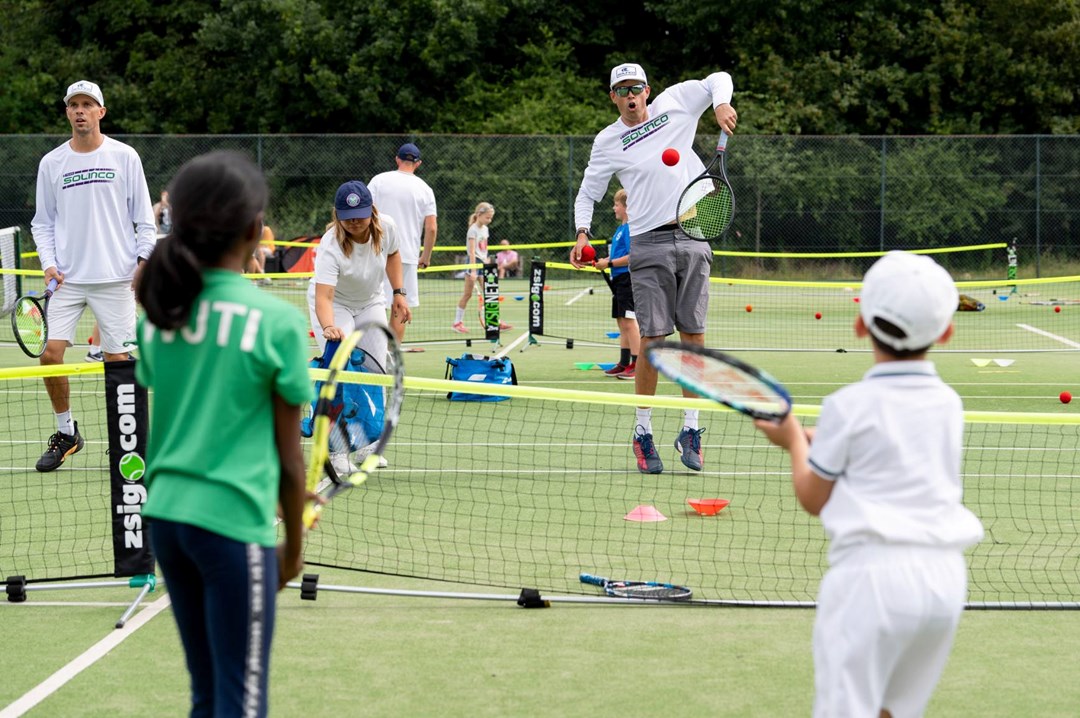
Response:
column 94, row 217
column 892, row 444
column 357, row 279
column 633, row 155
column 479, row 235
column 409, row 200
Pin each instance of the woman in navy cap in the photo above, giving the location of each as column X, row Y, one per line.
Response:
column 358, row 251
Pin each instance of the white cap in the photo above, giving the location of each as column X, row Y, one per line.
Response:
column 912, row 292
column 84, row 87
column 627, row 71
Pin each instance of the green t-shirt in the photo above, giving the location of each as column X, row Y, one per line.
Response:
column 211, row 456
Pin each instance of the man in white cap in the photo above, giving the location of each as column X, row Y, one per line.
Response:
column 883, row 473
column 411, row 202
column 670, row 271
column 93, row 225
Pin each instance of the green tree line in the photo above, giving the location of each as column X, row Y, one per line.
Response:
column 876, row 67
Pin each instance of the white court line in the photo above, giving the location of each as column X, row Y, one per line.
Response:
column 89, row 657
column 510, row 347
column 579, row 295
column 82, row 604
column 1055, row 337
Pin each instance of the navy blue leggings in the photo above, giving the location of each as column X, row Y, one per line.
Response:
column 223, row 595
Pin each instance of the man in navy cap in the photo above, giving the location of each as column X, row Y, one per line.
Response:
column 410, row 201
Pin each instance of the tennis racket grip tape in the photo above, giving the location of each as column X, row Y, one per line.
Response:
column 51, row 286
column 722, row 144
column 594, row 580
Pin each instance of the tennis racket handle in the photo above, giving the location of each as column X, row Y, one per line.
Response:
column 312, row 511
column 594, row 580
column 722, row 144
column 51, row 287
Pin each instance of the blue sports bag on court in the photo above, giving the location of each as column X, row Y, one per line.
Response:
column 481, row 369
column 361, row 405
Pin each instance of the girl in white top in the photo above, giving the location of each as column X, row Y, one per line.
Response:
column 477, row 244
column 358, row 251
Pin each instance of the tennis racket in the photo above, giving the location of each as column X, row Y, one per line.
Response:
column 30, row 323
column 707, row 204
column 639, row 589
column 722, row 378
column 352, row 423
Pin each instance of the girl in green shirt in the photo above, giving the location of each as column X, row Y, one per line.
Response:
column 228, row 367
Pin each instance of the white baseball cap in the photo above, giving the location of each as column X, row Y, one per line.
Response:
column 912, row 292
column 627, row 71
column 84, row 87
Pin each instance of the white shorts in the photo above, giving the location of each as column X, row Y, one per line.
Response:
column 347, row 320
column 113, row 305
column 886, row 618
column 411, row 284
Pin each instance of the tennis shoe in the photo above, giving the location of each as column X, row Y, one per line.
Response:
column 342, row 466
column 648, row 461
column 459, row 327
column 94, row 355
column 615, row 370
column 689, row 446
column 60, row 447
column 628, row 373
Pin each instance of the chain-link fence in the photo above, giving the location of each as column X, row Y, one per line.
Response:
column 793, row 194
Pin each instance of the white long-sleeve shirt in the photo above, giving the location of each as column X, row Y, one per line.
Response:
column 94, row 217
column 633, row 155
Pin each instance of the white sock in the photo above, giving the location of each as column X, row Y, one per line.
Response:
column 65, row 424
column 690, row 419
column 644, row 420
column 459, row 315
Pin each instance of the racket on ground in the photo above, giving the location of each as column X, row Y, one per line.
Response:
column 639, row 589
column 722, row 378
column 707, row 205
column 352, row 422
column 30, row 323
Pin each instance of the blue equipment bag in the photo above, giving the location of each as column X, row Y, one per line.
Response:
column 362, row 406
column 482, row 369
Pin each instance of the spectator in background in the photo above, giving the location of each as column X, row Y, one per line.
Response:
column 265, row 248
column 508, row 261
column 410, row 201
column 163, row 213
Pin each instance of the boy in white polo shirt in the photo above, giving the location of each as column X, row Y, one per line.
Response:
column 883, row 473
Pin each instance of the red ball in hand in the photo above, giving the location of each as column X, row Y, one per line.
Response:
column 588, row 254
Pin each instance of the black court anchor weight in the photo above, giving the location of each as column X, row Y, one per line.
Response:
column 309, row 587
column 16, row 589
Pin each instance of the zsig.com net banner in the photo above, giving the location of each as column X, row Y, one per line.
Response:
column 126, row 410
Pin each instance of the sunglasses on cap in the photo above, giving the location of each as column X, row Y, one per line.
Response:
column 632, row 89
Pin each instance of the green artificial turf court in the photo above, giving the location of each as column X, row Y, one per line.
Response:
column 492, row 497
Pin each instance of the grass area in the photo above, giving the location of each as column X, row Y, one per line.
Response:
column 479, row 514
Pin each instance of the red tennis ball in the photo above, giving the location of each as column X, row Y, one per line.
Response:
column 749, row 308
column 1065, row 397
column 856, row 300
column 588, row 254
column 1057, row 309
column 670, row 157
column 817, row 315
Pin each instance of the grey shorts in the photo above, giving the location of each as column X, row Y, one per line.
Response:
column 671, row 282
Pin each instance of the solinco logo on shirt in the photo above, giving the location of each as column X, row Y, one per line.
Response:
column 639, row 133
column 88, row 176
column 132, row 467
